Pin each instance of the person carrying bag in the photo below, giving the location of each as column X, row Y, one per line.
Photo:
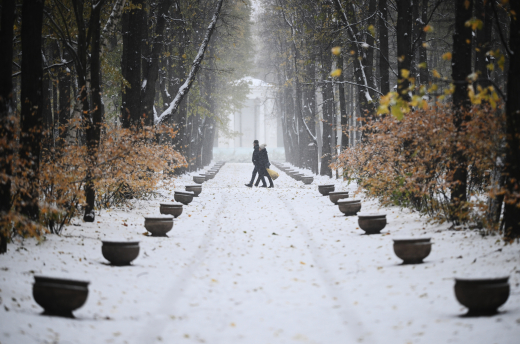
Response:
column 263, row 165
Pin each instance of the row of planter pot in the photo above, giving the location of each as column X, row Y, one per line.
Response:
column 482, row 296
column 210, row 174
column 296, row 175
column 60, row 297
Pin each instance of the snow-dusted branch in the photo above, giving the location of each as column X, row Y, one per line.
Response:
column 184, row 89
column 113, row 20
column 360, row 51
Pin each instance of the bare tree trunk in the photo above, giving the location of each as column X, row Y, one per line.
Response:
column 327, row 93
column 32, row 104
column 384, row 65
column 133, row 27
column 6, row 107
column 93, row 130
column 460, row 70
column 404, row 45
column 64, row 86
column 424, row 74
column 511, row 219
column 343, row 107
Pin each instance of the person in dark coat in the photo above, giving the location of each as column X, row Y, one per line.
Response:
column 263, row 165
column 255, row 160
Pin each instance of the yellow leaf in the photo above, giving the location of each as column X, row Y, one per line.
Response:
column 336, row 50
column 372, row 30
column 396, row 112
column 446, row 56
column 336, row 73
column 405, row 73
column 436, row 74
column 428, row 28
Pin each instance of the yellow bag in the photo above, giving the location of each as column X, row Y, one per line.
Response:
column 273, row 174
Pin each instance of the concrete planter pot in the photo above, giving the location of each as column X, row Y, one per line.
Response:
column 183, row 197
column 158, row 225
column 59, row 296
column 412, row 251
column 174, row 209
column 298, row 176
column 335, row 196
column 325, row 189
column 349, row 207
column 196, row 189
column 199, row 179
column 209, row 175
column 372, row 223
column 120, row 252
column 307, row 180
column 482, row 296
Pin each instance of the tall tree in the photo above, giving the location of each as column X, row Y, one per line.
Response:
column 32, row 104
column 512, row 165
column 133, row 27
column 404, row 46
column 151, row 72
column 460, row 70
column 384, row 64
column 6, row 121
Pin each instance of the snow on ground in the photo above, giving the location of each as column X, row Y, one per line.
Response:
column 260, row 266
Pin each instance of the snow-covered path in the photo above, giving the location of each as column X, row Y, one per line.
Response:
column 259, row 266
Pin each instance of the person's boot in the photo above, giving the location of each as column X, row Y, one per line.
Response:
column 249, row 185
column 271, row 186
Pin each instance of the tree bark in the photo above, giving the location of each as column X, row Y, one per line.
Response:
column 151, row 72
column 327, row 92
column 343, row 107
column 460, row 70
column 424, row 75
column 6, row 107
column 133, row 27
column 384, row 66
column 64, row 85
column 93, row 129
column 483, row 12
column 404, row 46
column 511, row 219
column 32, row 104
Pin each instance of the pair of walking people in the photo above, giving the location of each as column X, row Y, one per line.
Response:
column 261, row 162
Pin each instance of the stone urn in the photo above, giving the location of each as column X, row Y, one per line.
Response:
column 412, row 251
column 325, row 189
column 158, row 225
column 372, row 223
column 174, row 209
column 298, row 176
column 482, row 296
column 184, row 197
column 209, row 175
column 120, row 252
column 307, row 179
column 349, row 207
column 335, row 196
column 59, row 296
column 196, row 189
column 199, row 179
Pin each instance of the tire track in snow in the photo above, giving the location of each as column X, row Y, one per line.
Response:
column 351, row 320
column 157, row 323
